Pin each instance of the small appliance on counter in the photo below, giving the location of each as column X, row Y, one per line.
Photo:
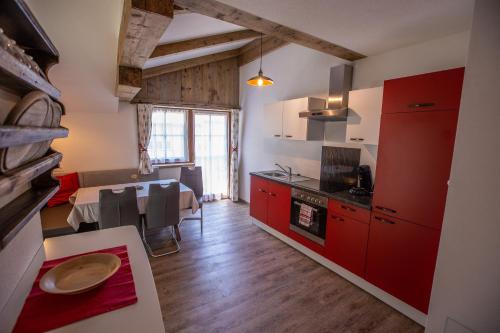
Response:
column 365, row 187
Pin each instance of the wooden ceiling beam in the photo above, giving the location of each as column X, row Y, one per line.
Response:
column 251, row 51
column 180, row 65
column 143, row 23
column 234, row 15
column 196, row 43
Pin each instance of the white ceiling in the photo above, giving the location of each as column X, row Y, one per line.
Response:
column 189, row 26
column 366, row 26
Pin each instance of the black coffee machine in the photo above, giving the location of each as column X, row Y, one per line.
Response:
column 365, row 182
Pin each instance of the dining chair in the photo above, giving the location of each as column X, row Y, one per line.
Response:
column 118, row 208
column 193, row 178
column 162, row 211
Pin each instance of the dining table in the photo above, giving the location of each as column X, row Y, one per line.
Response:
column 85, row 200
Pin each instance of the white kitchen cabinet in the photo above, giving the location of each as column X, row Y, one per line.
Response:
column 294, row 128
column 273, row 124
column 363, row 119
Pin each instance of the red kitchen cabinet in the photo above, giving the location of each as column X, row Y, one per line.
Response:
column 354, row 212
column 346, row 242
column 278, row 207
column 259, row 189
column 425, row 92
column 413, row 165
column 401, row 258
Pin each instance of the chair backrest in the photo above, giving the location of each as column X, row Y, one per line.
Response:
column 118, row 208
column 163, row 208
column 192, row 178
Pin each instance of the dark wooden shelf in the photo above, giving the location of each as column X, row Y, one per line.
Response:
column 17, row 77
column 20, row 135
column 19, row 24
column 28, row 172
column 15, row 215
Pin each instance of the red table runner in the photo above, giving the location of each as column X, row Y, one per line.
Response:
column 43, row 311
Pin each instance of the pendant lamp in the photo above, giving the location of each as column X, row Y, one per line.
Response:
column 260, row 80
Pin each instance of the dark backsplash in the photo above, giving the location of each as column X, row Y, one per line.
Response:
column 339, row 167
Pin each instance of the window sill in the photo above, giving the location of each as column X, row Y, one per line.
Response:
column 173, row 165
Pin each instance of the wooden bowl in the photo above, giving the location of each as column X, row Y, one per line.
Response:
column 80, row 274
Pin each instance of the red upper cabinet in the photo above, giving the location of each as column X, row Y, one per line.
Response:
column 278, row 207
column 413, row 165
column 425, row 92
column 401, row 258
column 346, row 242
column 259, row 189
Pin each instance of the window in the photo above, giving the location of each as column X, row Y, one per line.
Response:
column 212, row 152
column 169, row 136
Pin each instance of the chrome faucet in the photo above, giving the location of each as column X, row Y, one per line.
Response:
column 289, row 171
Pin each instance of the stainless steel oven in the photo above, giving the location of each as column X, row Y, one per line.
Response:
column 317, row 228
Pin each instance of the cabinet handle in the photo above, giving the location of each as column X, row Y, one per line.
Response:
column 420, row 105
column 289, row 136
column 277, row 136
column 261, row 190
column 357, row 139
column 385, row 209
column 383, row 220
column 336, row 218
column 348, row 208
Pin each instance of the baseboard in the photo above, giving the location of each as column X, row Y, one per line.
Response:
column 390, row 300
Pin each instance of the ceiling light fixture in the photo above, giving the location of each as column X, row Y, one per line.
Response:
column 260, row 80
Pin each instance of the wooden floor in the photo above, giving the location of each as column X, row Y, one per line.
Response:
column 235, row 277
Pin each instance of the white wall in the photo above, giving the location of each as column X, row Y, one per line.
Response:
column 466, row 291
column 102, row 131
column 300, row 72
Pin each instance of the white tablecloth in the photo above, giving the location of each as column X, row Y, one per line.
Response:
column 86, row 200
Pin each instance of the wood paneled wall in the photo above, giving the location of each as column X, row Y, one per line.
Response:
column 211, row 85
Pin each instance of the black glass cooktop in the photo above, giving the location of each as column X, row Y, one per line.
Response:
column 318, row 186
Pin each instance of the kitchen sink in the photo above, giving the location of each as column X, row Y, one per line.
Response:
column 284, row 176
column 277, row 174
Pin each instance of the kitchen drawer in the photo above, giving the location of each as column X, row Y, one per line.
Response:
column 346, row 242
column 425, row 92
column 346, row 210
column 401, row 258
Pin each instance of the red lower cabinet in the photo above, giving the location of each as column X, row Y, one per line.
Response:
column 401, row 258
column 278, row 207
column 259, row 189
column 346, row 241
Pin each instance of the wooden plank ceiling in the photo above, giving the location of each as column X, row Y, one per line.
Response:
column 145, row 21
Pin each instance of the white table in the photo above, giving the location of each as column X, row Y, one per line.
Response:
column 143, row 316
column 86, row 200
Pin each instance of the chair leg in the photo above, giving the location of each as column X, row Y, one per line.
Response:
column 150, row 251
column 201, row 219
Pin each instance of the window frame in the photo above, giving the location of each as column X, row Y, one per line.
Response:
column 190, row 137
column 188, row 125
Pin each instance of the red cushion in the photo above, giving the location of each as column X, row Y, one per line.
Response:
column 69, row 185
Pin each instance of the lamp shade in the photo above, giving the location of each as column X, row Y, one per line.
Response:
column 260, row 80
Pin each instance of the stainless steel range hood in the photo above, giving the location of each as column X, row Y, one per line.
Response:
column 338, row 98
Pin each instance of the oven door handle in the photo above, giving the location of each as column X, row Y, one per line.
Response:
column 299, row 204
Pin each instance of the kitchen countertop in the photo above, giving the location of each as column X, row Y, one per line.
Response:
column 344, row 196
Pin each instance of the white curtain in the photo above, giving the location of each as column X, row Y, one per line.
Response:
column 212, row 152
column 144, row 112
column 235, row 132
